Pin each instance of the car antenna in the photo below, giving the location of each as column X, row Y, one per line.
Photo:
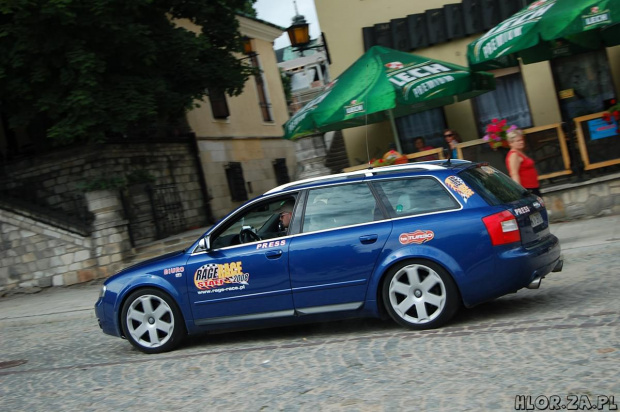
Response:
column 448, row 155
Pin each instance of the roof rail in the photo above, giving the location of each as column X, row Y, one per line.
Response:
column 370, row 171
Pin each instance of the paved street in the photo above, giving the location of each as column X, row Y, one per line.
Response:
column 562, row 339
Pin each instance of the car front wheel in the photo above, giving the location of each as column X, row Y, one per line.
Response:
column 420, row 295
column 151, row 321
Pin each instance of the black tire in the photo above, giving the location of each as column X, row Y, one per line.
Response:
column 152, row 321
column 420, row 295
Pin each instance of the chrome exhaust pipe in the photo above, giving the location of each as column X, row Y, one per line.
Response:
column 535, row 284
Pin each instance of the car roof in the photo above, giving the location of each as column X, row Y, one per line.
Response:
column 435, row 165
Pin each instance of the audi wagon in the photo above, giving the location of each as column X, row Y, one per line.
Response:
column 412, row 242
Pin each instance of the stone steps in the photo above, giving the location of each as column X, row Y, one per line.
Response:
column 163, row 246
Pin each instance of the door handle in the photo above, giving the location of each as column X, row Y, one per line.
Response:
column 368, row 239
column 273, row 254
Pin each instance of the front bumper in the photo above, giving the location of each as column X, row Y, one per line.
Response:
column 106, row 317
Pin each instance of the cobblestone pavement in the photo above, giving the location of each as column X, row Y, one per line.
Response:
column 562, row 339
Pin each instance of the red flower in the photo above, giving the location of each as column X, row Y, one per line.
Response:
column 493, row 128
column 607, row 117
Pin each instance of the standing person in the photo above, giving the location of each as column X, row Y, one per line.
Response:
column 520, row 166
column 452, row 139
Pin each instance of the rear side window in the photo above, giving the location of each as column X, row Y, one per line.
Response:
column 494, row 186
column 338, row 206
column 407, row 197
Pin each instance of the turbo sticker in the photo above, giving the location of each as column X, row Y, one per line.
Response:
column 459, row 186
column 419, row 237
column 213, row 275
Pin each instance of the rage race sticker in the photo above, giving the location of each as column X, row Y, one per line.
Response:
column 458, row 185
column 419, row 237
column 213, row 275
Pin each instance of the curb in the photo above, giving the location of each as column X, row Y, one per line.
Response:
column 50, row 318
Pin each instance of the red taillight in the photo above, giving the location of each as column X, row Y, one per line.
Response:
column 502, row 228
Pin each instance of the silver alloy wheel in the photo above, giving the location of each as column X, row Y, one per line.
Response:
column 417, row 294
column 150, row 321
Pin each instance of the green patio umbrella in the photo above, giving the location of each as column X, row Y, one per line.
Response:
column 547, row 29
column 383, row 84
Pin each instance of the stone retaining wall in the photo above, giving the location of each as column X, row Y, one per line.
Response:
column 34, row 254
column 54, row 179
column 595, row 197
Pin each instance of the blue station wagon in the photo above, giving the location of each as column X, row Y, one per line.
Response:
column 413, row 242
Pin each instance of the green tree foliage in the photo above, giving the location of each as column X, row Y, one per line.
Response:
column 84, row 68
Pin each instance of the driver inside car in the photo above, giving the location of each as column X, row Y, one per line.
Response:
column 286, row 213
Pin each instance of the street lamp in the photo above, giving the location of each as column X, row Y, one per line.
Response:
column 298, row 32
column 248, row 49
column 299, row 36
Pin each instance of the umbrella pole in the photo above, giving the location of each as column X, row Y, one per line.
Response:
column 399, row 149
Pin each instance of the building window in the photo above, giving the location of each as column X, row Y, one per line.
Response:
column 261, row 89
column 219, row 106
column 279, row 167
column 508, row 101
column 585, row 83
column 236, row 182
column 428, row 124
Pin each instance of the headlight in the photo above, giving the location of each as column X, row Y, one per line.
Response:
column 102, row 291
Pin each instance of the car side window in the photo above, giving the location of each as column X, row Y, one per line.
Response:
column 338, row 206
column 408, row 197
column 257, row 222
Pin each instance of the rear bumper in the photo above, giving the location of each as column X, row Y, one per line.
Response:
column 516, row 268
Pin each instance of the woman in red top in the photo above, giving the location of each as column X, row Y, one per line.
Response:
column 520, row 166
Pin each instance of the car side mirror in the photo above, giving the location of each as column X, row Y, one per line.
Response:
column 205, row 243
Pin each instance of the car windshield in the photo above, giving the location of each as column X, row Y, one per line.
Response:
column 494, row 186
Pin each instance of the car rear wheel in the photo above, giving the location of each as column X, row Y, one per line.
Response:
column 151, row 321
column 420, row 295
